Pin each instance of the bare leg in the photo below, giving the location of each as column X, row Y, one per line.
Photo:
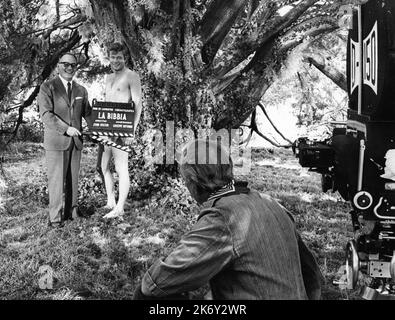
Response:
column 109, row 183
column 121, row 166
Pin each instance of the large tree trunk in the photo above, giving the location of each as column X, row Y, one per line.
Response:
column 114, row 23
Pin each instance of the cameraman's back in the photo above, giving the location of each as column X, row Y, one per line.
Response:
column 266, row 263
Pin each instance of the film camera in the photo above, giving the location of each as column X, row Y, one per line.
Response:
column 358, row 159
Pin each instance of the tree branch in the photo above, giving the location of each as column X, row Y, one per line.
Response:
column 57, row 10
column 63, row 24
column 253, row 122
column 187, row 34
column 271, row 122
column 254, row 127
column 311, row 33
column 27, row 103
column 216, row 24
column 245, row 46
column 175, row 32
column 335, row 75
column 252, row 7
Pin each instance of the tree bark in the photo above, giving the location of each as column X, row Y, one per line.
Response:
column 176, row 32
column 246, row 46
column 115, row 14
column 215, row 25
column 187, row 34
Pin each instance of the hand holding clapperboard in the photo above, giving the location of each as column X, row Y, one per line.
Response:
column 112, row 119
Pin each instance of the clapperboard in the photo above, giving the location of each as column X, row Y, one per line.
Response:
column 112, row 119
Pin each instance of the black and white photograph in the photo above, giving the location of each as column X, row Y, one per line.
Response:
column 190, row 156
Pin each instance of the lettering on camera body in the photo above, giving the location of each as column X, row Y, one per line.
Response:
column 369, row 61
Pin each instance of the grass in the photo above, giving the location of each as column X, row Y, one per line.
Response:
column 98, row 259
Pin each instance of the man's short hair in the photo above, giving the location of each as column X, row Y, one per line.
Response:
column 118, row 47
column 207, row 164
column 69, row 54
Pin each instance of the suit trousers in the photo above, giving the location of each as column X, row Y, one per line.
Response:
column 62, row 171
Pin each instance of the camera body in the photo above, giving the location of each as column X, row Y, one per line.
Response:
column 317, row 155
column 352, row 163
column 353, row 160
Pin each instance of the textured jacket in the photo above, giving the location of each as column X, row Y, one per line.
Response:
column 246, row 246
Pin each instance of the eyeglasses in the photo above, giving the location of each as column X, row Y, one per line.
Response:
column 66, row 65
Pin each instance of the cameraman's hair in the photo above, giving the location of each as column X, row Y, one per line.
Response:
column 202, row 164
column 118, row 47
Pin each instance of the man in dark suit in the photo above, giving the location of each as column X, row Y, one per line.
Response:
column 63, row 103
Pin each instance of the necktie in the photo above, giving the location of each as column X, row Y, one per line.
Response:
column 69, row 91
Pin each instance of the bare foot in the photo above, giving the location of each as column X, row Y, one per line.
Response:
column 114, row 214
column 109, row 206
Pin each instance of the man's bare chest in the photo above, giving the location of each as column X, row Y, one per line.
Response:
column 117, row 84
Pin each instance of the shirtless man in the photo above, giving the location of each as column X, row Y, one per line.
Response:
column 123, row 85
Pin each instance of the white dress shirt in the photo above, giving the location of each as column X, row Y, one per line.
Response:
column 64, row 81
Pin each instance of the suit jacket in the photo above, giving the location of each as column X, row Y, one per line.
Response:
column 58, row 114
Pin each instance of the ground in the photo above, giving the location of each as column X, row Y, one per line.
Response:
column 98, row 259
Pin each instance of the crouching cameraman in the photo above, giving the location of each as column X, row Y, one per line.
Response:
column 244, row 244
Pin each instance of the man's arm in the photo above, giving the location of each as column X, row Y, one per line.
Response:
column 200, row 255
column 136, row 93
column 45, row 103
column 87, row 109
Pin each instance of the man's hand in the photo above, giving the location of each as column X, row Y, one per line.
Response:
column 104, row 138
column 72, row 132
column 128, row 141
column 139, row 295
